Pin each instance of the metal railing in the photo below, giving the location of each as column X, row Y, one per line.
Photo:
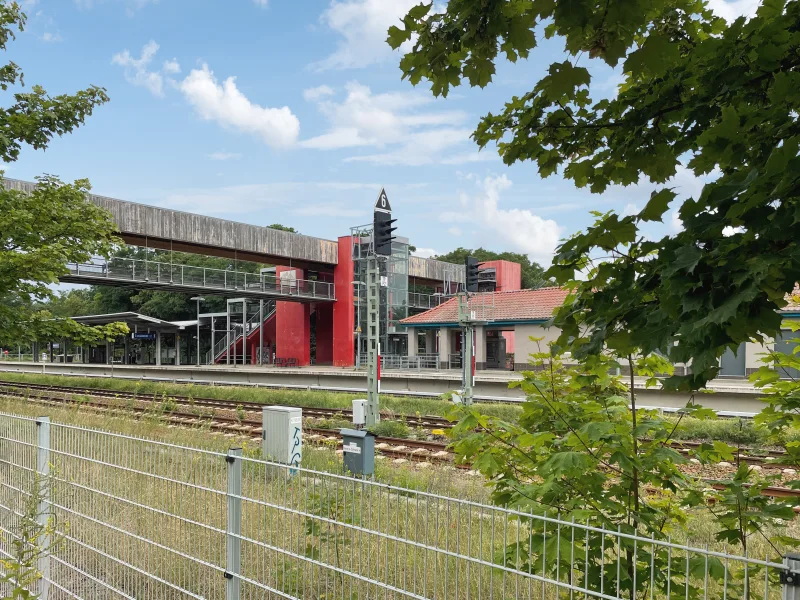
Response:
column 167, row 274
column 14, row 356
column 139, row 518
column 426, row 301
column 223, row 344
column 399, row 362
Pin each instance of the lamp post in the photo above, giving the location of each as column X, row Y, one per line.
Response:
column 358, row 325
column 198, row 299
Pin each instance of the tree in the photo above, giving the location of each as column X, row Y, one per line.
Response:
column 41, row 232
column 280, row 227
column 582, row 449
column 719, row 100
column 532, row 274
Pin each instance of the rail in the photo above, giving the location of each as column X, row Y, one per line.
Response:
column 399, row 362
column 223, row 344
column 188, row 277
column 138, row 518
column 426, row 301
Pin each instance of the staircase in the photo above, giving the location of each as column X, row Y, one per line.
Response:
column 250, row 330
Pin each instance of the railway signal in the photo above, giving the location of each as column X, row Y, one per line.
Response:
column 471, row 264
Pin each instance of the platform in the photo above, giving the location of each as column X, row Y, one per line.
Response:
column 730, row 396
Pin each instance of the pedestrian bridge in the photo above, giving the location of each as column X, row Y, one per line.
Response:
column 189, row 279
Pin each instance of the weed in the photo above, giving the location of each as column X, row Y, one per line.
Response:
column 393, row 429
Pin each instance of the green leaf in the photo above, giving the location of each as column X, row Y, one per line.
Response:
column 657, row 205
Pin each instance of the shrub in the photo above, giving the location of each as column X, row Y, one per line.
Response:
column 395, row 429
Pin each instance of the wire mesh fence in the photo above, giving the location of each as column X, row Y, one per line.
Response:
column 138, row 518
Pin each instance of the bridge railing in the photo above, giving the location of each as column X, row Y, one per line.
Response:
column 426, row 301
column 130, row 269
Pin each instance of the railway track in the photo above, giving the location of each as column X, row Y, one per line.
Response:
column 424, row 421
column 192, row 414
column 770, row 458
column 397, row 448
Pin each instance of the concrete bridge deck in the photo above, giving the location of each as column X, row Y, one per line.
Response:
column 155, row 227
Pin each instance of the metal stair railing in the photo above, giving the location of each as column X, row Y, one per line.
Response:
column 222, row 345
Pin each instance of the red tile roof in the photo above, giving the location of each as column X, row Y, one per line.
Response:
column 521, row 305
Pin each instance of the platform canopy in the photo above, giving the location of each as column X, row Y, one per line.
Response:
column 133, row 320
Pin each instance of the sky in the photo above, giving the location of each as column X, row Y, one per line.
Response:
column 294, row 112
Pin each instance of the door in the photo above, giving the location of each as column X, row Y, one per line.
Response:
column 732, row 363
column 782, row 344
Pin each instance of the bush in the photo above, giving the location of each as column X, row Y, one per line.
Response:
column 395, row 429
column 732, row 431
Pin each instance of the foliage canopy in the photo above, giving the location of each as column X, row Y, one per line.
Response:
column 532, row 273
column 719, row 100
column 41, row 232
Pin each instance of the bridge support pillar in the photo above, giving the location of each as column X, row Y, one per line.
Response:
column 293, row 326
column 444, row 347
column 344, row 320
column 412, row 341
column 430, row 341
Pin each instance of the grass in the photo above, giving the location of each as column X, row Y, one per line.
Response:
column 733, row 431
column 311, row 399
column 173, row 499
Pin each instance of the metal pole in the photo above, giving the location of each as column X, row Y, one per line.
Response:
column 198, row 333
column 244, row 332
column 261, row 333
column 791, row 577
column 233, row 529
column 467, row 347
column 213, row 342
column 373, row 340
column 43, row 509
column 228, row 333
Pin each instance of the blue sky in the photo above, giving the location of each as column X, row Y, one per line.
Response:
column 293, row 112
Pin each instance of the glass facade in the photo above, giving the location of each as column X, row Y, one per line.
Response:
column 394, row 299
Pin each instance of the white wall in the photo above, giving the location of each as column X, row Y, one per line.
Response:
column 524, row 347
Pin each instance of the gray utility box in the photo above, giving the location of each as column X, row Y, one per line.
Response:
column 359, row 451
column 282, row 434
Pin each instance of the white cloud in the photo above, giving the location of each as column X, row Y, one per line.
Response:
column 730, row 11
column 261, row 3
column 729, row 231
column 425, row 252
column 317, row 93
column 136, row 69
column 171, row 67
column 224, row 156
column 630, row 210
column 51, row 37
column 675, row 221
column 363, row 25
column 454, row 231
column 518, row 229
column 327, row 210
column 261, row 202
column 226, row 105
column 402, row 124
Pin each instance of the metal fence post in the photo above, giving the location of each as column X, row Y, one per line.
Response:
column 43, row 509
column 233, row 529
column 790, row 579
